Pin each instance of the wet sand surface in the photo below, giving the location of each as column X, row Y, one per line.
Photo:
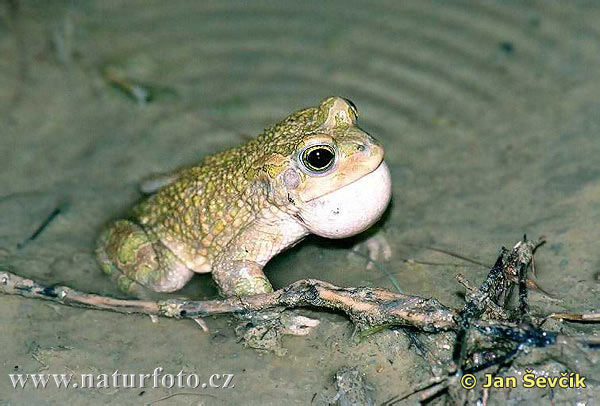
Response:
column 489, row 113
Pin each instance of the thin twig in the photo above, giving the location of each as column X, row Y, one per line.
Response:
column 581, row 317
column 41, row 227
column 172, row 395
column 448, row 252
column 365, row 306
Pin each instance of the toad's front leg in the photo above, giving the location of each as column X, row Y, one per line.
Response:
column 236, row 274
column 238, row 268
column 240, row 277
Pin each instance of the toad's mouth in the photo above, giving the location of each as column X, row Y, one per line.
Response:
column 352, row 208
column 381, row 173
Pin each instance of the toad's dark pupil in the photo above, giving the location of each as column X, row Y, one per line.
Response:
column 319, row 158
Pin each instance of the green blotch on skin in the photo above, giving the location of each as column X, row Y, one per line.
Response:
column 253, row 286
column 108, row 267
column 339, row 121
column 130, row 246
column 145, row 269
column 347, row 149
column 323, row 112
column 124, row 283
column 251, row 173
column 274, row 170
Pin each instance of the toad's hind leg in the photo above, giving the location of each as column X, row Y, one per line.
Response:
column 138, row 262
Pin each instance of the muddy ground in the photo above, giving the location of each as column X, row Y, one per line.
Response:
column 489, row 113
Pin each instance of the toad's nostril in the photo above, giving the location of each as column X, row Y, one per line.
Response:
column 361, row 147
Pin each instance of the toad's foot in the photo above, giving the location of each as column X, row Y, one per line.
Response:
column 263, row 331
column 378, row 248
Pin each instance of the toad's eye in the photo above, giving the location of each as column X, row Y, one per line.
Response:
column 318, row 158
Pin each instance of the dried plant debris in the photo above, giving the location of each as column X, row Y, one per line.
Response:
column 137, row 90
column 352, row 388
column 495, row 330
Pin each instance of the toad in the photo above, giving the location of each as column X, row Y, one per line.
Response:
column 314, row 172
